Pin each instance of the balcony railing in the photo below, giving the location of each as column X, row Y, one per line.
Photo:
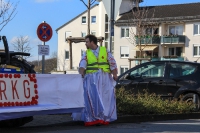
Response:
column 148, row 40
column 176, row 58
column 173, row 39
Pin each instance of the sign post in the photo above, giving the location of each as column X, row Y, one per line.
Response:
column 44, row 33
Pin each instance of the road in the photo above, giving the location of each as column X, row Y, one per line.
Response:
column 64, row 124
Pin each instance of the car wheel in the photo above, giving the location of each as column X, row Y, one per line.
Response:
column 189, row 98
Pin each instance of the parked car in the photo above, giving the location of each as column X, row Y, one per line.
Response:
column 168, row 79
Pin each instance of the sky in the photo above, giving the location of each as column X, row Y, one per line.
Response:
column 31, row 13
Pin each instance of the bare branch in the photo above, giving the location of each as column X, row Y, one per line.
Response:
column 22, row 44
column 140, row 20
column 85, row 4
column 92, row 2
column 7, row 12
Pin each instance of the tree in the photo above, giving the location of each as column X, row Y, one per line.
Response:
column 141, row 20
column 7, row 12
column 21, row 44
column 90, row 2
column 62, row 64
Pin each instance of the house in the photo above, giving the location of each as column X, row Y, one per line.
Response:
column 178, row 30
column 77, row 27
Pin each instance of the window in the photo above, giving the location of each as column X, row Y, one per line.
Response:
column 175, row 51
column 83, row 20
column 179, row 69
column 93, row 33
column 93, row 19
column 83, row 34
column 152, row 31
column 176, row 30
column 66, row 54
column 196, row 50
column 106, row 27
column 124, row 32
column 82, row 52
column 124, row 52
column 149, row 70
column 106, row 44
column 196, row 29
column 67, row 34
column 123, row 69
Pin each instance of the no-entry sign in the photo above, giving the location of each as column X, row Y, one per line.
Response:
column 44, row 32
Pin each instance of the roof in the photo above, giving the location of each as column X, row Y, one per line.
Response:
column 166, row 12
column 75, row 18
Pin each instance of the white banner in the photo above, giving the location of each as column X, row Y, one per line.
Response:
column 57, row 93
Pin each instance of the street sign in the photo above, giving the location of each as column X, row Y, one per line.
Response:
column 44, row 32
column 43, row 49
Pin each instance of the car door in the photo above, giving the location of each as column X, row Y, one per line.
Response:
column 129, row 80
column 145, row 77
column 180, row 75
column 153, row 78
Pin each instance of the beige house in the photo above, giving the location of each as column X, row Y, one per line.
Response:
column 179, row 31
column 78, row 27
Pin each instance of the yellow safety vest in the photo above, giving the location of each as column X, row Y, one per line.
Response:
column 94, row 64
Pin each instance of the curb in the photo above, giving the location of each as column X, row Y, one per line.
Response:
column 148, row 118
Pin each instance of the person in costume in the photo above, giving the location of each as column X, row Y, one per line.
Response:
column 99, row 70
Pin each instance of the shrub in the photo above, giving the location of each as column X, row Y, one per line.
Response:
column 144, row 104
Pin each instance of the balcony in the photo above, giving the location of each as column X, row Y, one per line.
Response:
column 173, row 39
column 176, row 58
column 148, row 40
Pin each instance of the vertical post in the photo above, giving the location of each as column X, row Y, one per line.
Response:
column 38, row 59
column 88, row 32
column 70, row 53
column 112, row 8
column 43, row 59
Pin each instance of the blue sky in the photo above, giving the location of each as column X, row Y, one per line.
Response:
column 30, row 13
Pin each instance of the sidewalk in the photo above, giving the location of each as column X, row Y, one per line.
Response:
column 63, row 119
column 47, row 120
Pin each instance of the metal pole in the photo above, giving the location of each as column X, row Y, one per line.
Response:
column 43, row 59
column 112, row 10
column 88, row 17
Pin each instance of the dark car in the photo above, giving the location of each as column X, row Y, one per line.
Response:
column 168, row 79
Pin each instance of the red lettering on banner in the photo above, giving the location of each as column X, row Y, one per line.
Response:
column 26, row 81
column 14, row 90
column 2, row 91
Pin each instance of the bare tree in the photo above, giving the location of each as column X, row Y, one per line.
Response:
column 141, row 20
column 53, row 60
column 90, row 3
column 21, row 44
column 62, row 65
column 7, row 12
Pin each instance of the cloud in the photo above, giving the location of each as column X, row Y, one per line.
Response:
column 44, row 1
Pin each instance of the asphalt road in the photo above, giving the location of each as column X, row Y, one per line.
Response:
column 64, row 124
